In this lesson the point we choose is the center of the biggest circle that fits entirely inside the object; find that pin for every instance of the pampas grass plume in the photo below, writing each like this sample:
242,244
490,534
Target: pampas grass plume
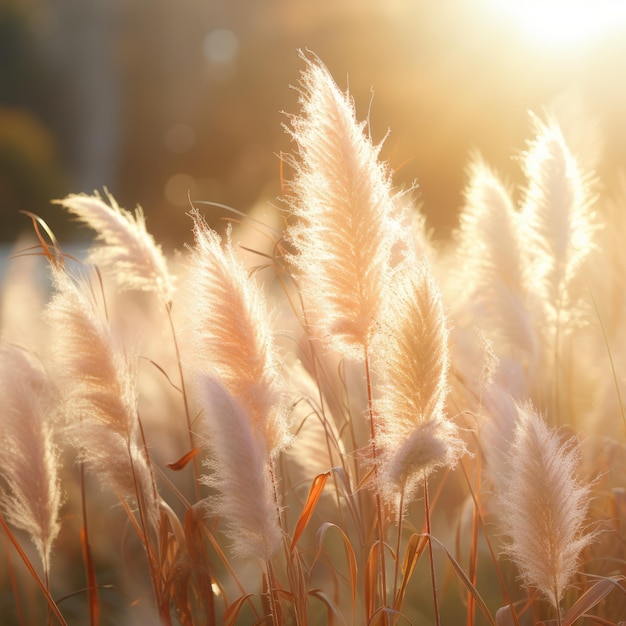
489,253
98,381
557,221
233,335
412,363
543,506
29,458
346,217
126,248
241,473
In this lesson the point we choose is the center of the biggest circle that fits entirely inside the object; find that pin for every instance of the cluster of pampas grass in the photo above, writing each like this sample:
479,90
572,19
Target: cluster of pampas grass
365,427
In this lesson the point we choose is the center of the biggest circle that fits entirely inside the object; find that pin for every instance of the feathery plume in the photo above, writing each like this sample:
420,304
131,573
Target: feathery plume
490,258
29,459
543,506
557,223
126,248
234,340
412,433
98,383
347,219
241,473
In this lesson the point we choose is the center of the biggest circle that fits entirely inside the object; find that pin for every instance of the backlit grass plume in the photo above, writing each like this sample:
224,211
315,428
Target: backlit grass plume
241,472
98,383
345,215
30,495
543,506
233,334
412,432
126,250
557,225
489,251
240,389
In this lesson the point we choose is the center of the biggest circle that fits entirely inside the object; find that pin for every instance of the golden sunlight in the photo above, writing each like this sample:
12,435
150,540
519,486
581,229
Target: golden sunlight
566,22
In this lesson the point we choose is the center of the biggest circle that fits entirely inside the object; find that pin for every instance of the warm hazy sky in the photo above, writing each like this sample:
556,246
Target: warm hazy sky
156,99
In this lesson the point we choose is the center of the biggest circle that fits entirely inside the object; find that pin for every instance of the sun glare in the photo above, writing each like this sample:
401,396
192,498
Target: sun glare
566,22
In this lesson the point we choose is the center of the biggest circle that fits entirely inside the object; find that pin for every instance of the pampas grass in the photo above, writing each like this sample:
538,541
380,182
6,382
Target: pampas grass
233,335
347,216
125,248
97,380
363,398
544,506
412,431
29,456
557,223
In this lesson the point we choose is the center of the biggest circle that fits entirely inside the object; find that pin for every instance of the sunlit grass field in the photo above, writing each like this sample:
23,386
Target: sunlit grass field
320,414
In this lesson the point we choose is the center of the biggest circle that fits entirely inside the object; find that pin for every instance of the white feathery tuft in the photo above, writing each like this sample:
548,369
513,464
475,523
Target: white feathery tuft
347,220
126,250
97,380
412,433
233,335
557,224
29,458
490,257
241,473
543,506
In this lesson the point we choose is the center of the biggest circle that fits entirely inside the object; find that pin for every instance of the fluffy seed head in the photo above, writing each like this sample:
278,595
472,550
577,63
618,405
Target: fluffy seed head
29,458
543,506
412,364
126,250
233,335
346,216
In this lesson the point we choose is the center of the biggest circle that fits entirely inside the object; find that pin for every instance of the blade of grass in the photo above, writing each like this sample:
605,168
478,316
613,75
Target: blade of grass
466,581
183,461
315,492
610,355
232,612
595,594
51,603
370,580
53,257
414,549
16,595
321,533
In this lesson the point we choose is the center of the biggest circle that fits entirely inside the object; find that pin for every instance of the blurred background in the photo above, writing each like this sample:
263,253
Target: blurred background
159,101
